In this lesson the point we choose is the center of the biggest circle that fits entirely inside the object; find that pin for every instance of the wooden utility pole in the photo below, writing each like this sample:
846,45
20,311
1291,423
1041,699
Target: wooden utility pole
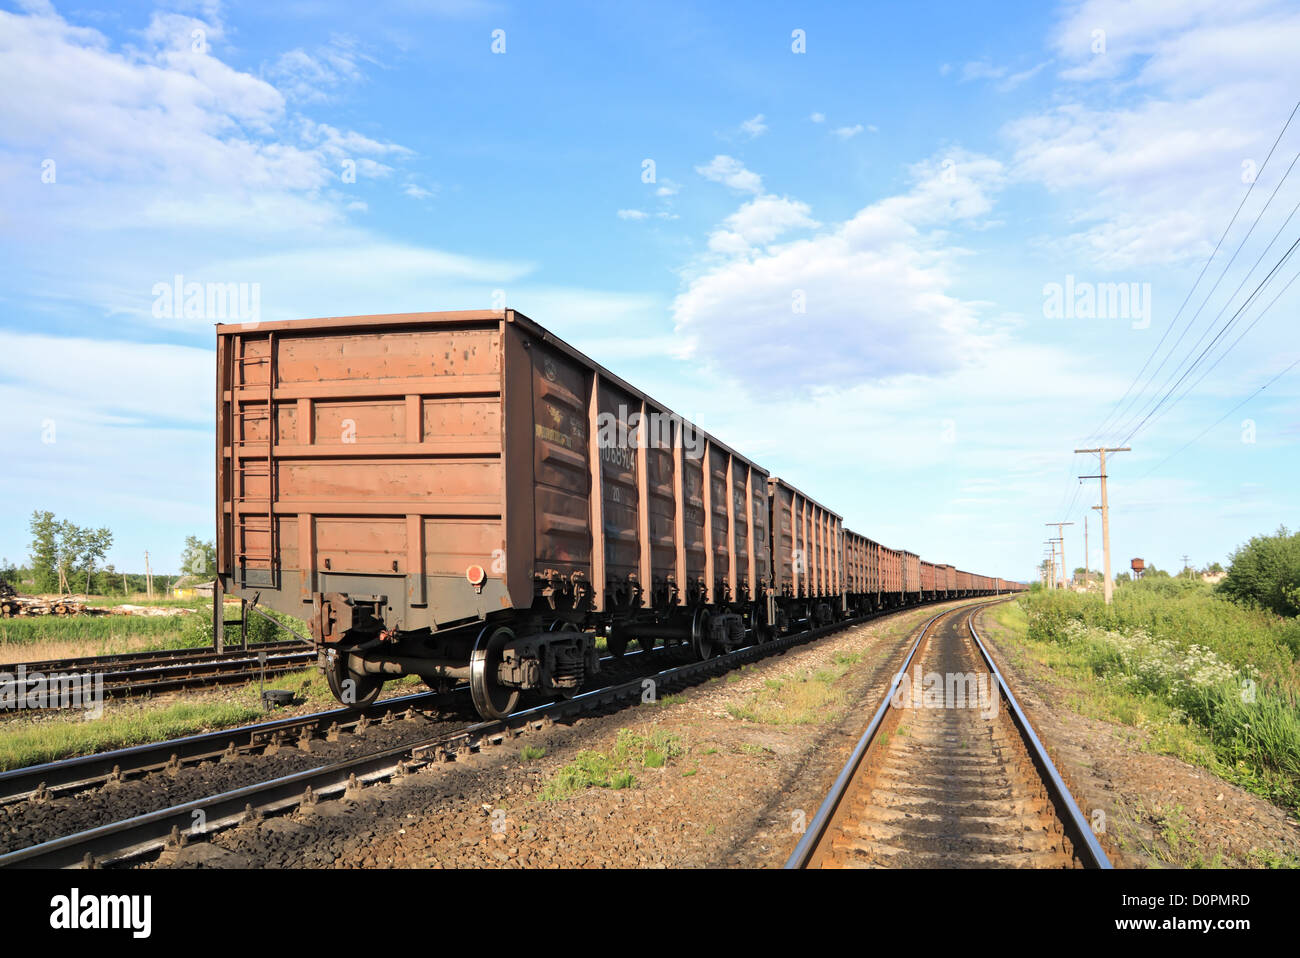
1051,559
1060,532
148,576
1086,571
1105,515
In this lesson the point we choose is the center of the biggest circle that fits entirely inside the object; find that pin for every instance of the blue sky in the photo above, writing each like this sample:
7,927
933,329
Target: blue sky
917,178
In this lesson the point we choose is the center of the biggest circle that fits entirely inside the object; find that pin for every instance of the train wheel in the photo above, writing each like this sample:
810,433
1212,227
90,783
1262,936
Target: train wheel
491,698
701,638
351,688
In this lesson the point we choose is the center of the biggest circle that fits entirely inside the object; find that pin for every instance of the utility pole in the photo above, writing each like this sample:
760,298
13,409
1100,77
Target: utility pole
1060,532
1051,567
1105,515
148,576
1185,572
1087,573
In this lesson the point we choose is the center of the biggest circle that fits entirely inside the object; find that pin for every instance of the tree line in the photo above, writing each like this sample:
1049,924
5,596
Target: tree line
68,558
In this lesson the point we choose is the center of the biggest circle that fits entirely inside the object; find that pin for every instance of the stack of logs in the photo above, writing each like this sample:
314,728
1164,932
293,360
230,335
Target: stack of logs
13,605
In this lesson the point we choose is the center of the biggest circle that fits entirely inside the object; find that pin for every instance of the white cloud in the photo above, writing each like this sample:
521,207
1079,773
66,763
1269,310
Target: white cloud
319,76
759,222
818,117
668,187
876,287
847,132
632,214
984,70
754,127
418,192
731,172
1152,178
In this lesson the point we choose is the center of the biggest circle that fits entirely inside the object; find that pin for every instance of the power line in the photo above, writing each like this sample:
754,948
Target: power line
1218,315
1253,294
1240,336
1223,417
1200,276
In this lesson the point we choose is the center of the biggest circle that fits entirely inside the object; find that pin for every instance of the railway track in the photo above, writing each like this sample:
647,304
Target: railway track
150,673
140,835
949,773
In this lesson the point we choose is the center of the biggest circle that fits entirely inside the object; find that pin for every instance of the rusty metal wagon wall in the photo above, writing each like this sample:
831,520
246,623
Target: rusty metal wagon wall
807,545
457,464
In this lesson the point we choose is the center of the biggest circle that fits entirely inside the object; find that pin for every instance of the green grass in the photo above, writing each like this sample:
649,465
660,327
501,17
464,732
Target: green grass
81,635
531,753
52,737
615,769
1210,682
90,628
809,699
47,741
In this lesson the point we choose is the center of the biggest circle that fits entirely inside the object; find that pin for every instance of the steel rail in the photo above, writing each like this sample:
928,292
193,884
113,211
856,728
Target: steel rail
149,657
85,771
150,832
812,836
1085,842
179,677
1082,836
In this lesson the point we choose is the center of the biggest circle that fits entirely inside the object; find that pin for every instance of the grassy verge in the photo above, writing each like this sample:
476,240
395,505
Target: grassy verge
60,637
1207,681
49,737
46,741
617,768
808,699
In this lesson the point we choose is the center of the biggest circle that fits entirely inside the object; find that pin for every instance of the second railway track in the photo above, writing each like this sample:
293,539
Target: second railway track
173,670
949,774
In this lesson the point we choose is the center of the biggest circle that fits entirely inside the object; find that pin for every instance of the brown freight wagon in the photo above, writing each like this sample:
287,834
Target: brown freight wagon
945,580
928,579
462,495
862,560
911,576
964,584
807,558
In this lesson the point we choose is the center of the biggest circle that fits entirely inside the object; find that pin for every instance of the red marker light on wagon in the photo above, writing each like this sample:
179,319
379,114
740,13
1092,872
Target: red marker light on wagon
476,575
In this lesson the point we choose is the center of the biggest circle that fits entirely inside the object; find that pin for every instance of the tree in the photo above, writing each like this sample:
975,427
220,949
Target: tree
63,553
45,551
199,559
1266,572
8,575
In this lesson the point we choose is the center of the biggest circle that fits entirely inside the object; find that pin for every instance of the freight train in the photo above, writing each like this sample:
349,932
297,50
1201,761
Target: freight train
465,497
